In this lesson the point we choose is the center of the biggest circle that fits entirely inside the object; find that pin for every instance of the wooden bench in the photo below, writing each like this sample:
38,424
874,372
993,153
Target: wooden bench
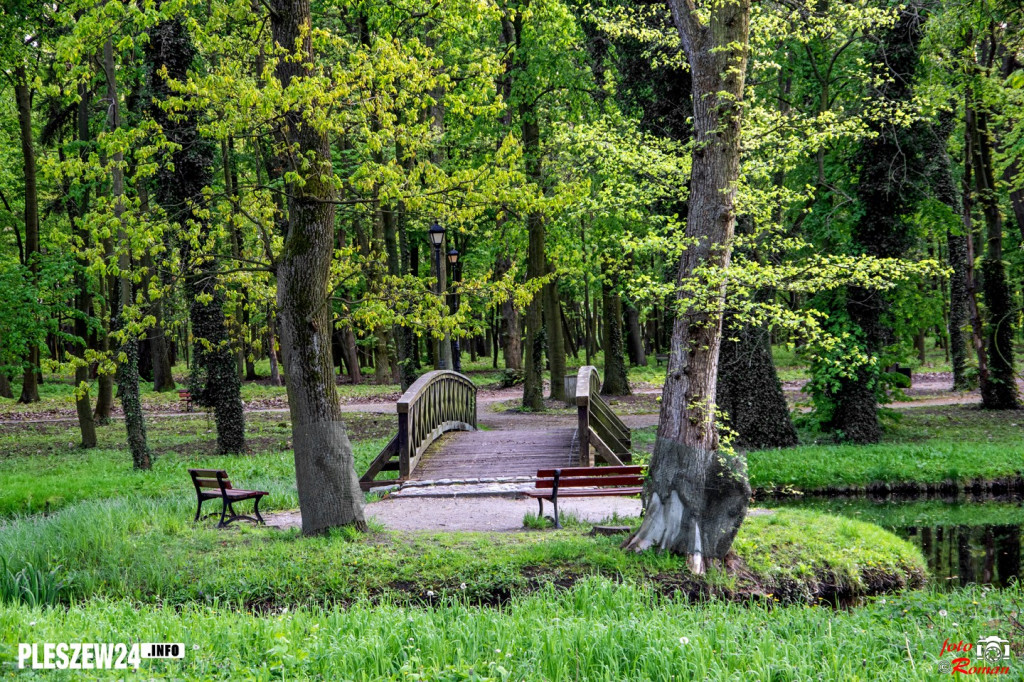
186,397
661,358
213,483
585,482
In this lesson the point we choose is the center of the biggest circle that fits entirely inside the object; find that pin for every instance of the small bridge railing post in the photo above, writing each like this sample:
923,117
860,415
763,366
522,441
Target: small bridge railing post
599,427
437,402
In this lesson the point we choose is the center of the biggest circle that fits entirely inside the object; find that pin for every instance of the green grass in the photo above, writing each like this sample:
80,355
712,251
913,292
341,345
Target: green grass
42,468
924,445
903,514
150,550
596,631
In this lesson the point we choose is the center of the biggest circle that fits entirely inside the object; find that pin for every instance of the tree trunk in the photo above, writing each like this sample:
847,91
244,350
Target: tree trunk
634,337
556,339
5,385
749,391
616,381
275,372
128,368
512,332
23,96
695,497
328,487
940,176
1000,391
216,375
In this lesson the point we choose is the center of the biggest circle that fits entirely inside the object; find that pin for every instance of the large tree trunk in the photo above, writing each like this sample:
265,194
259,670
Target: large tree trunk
749,390
890,165
696,497
23,96
215,379
328,487
536,263
128,368
1000,391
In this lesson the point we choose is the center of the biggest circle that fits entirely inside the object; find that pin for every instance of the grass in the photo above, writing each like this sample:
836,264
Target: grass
42,469
923,445
150,550
596,631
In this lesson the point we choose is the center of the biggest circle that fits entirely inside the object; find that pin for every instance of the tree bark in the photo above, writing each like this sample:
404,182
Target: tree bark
695,497
328,487
512,333
215,378
616,381
1000,391
23,97
5,385
634,337
128,368
556,338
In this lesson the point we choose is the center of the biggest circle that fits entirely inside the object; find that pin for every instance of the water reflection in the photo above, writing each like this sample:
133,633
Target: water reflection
958,555
965,538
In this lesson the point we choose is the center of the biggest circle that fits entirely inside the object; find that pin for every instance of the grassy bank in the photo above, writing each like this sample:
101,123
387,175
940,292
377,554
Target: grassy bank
596,631
923,445
151,551
42,468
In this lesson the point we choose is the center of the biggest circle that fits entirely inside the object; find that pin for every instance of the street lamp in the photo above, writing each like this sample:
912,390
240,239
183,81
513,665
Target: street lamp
453,257
436,234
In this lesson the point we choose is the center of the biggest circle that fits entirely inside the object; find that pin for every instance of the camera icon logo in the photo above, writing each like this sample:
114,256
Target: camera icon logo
993,649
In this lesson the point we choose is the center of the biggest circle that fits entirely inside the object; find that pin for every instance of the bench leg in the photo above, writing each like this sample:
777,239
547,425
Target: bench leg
554,501
223,513
540,507
256,509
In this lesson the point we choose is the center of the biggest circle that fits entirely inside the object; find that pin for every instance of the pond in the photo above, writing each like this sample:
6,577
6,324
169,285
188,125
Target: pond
966,539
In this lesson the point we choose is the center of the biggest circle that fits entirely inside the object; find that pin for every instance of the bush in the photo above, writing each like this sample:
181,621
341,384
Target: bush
31,586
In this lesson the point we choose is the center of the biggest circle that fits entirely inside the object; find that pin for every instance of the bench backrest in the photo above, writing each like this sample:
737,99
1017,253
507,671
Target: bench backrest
591,477
210,478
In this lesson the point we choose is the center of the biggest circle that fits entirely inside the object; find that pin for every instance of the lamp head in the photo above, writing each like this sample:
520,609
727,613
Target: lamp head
436,234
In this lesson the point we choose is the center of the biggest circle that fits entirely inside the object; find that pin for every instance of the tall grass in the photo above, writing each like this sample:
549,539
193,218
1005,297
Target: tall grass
596,631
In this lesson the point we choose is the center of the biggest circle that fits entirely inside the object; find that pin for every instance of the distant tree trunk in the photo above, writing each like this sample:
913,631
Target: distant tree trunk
83,295
1000,391
616,382
556,338
23,96
512,333
940,177
275,372
128,368
328,487
695,498
5,386
215,377
635,337
104,381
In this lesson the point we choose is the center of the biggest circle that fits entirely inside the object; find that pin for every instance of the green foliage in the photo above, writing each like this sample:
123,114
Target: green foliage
31,586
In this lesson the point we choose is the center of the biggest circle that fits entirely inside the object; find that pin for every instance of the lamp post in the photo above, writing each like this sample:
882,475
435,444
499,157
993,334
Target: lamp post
453,303
436,234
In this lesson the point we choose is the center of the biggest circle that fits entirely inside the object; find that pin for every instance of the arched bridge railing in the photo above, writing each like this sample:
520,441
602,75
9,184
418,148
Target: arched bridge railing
599,427
437,402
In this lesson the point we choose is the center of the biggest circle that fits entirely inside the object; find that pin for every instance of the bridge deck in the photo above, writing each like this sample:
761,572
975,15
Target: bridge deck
461,455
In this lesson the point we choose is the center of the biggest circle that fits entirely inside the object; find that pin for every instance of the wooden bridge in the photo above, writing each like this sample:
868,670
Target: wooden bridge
445,402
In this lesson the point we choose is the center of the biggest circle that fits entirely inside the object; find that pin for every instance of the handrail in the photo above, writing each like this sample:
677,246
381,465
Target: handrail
439,401
599,426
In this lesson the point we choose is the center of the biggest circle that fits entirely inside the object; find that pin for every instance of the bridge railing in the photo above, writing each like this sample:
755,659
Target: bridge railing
437,402
599,427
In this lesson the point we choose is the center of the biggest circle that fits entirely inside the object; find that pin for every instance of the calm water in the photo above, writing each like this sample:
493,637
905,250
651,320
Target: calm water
965,540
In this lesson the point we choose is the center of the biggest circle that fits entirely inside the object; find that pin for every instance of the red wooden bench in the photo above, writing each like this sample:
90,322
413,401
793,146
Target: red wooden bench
185,397
213,483
585,482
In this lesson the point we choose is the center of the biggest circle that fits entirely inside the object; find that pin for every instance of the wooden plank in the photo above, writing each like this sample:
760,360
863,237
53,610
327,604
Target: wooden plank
602,449
592,471
591,482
